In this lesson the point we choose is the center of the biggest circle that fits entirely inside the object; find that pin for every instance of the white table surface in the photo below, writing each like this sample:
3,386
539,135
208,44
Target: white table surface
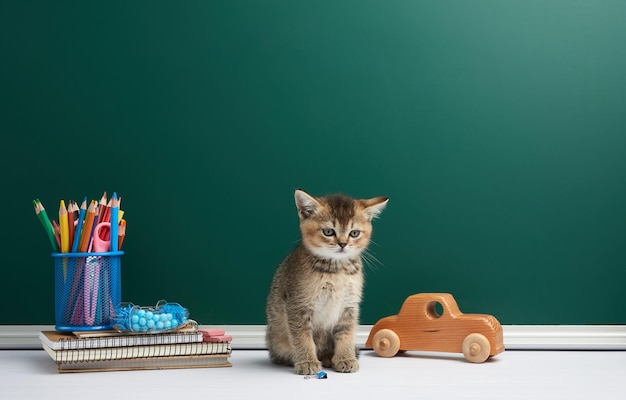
511,375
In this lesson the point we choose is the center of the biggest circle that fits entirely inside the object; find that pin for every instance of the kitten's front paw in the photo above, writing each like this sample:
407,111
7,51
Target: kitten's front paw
347,365
308,367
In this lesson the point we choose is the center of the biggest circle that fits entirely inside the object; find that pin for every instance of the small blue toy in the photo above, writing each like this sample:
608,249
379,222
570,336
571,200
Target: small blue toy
164,317
319,375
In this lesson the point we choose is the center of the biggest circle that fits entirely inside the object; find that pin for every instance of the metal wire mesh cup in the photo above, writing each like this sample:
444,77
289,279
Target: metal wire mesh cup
87,289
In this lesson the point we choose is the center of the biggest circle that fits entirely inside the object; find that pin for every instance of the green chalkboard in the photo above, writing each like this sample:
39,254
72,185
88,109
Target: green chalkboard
497,129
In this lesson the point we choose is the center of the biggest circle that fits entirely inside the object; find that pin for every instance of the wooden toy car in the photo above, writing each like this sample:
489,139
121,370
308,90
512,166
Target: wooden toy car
419,326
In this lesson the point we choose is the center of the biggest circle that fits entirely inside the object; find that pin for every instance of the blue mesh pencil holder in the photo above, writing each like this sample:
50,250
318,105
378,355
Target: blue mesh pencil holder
88,287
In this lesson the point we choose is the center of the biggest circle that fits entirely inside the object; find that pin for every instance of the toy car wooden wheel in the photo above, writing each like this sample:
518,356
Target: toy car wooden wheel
476,348
386,343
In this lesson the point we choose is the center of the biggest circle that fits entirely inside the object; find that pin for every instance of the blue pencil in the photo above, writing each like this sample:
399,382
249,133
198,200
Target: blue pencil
79,227
114,223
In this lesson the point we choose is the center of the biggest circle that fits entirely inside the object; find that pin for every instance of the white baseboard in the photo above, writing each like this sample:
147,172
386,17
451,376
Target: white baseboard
516,337
565,337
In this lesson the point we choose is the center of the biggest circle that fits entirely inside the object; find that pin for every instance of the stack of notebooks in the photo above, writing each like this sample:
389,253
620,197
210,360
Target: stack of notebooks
114,351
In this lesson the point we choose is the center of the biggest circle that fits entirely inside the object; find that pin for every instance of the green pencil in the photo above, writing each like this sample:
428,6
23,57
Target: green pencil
45,221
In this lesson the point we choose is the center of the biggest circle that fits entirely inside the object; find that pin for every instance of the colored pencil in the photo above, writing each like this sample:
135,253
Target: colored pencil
114,222
45,216
75,229
105,213
45,222
79,225
71,217
49,226
64,228
120,212
121,234
96,221
57,233
86,234
88,227
102,205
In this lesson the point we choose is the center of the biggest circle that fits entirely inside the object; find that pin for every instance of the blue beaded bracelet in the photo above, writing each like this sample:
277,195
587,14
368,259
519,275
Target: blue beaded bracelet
164,317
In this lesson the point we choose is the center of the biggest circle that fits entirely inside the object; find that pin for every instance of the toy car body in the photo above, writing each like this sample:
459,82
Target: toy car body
419,326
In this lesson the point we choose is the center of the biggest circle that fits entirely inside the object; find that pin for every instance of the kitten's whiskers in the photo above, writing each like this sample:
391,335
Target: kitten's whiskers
370,260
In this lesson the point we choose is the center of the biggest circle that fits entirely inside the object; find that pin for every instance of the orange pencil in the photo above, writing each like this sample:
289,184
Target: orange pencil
121,234
96,221
71,216
85,237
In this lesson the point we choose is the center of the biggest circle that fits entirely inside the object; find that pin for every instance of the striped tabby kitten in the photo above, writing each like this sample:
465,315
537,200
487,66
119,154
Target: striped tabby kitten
313,305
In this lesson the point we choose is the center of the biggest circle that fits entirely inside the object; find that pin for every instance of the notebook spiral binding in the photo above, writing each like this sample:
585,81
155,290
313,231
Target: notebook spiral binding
126,340
148,351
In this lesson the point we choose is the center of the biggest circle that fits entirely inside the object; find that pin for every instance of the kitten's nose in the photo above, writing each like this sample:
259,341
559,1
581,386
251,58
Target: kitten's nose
342,244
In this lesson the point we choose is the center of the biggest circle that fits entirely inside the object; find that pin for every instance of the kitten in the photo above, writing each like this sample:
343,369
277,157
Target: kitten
312,308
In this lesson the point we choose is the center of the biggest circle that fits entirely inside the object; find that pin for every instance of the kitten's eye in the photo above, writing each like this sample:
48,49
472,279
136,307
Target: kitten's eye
355,233
328,232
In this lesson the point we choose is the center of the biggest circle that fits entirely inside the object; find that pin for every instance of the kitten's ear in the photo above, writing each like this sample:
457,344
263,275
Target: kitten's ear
373,207
307,205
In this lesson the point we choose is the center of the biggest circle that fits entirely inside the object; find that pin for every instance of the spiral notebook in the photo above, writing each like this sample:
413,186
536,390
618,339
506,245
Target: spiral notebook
133,364
110,351
126,352
67,340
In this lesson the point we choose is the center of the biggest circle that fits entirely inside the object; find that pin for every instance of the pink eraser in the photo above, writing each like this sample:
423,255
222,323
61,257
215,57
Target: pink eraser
207,332
223,338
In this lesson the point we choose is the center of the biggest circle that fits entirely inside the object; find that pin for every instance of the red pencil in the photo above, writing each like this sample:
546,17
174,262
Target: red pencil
121,234
57,233
71,214
105,214
102,206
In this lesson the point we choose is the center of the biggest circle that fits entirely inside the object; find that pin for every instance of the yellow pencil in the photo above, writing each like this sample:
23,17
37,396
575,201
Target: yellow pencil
64,228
